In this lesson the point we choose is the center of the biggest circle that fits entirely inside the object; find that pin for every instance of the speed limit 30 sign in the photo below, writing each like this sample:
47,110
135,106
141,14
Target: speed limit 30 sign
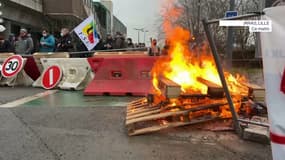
12,66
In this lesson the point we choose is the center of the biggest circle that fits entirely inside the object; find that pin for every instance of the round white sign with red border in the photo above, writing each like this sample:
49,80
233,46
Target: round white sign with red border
51,77
12,66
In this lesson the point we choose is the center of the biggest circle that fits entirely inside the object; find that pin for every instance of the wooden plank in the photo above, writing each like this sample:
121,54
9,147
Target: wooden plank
165,108
143,114
259,95
130,107
208,83
138,111
168,114
169,125
253,86
137,105
214,90
139,101
169,88
256,92
193,96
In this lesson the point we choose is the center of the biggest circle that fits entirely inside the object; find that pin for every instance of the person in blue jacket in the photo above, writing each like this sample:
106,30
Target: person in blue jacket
47,42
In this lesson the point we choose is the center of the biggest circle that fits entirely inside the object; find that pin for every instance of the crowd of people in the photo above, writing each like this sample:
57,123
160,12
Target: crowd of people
119,41
25,45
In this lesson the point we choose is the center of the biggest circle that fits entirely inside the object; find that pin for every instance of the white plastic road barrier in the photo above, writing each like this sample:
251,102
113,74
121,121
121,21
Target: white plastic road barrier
273,53
37,56
77,72
6,55
12,72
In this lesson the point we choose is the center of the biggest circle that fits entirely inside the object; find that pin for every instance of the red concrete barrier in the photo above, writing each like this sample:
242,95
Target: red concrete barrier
31,68
120,75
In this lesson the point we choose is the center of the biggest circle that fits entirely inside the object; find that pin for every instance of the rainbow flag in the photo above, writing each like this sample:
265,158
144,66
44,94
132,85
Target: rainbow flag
87,33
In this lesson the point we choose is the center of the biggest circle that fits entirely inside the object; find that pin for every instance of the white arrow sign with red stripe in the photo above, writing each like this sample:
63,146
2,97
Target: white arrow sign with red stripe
51,77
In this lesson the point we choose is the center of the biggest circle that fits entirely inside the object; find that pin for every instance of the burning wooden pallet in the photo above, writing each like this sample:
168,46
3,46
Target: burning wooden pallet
146,115
256,92
145,118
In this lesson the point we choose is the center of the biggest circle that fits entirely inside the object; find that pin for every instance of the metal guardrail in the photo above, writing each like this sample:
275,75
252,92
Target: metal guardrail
110,50
249,15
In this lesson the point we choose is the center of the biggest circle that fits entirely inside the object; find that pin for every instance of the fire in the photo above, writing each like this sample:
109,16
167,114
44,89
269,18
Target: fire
184,66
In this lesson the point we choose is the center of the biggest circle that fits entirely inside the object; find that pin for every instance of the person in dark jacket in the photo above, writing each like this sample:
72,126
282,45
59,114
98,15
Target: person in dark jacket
130,43
108,43
47,42
5,45
119,42
12,41
65,41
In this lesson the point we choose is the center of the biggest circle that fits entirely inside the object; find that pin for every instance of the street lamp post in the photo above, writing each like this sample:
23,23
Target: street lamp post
139,30
145,31
230,40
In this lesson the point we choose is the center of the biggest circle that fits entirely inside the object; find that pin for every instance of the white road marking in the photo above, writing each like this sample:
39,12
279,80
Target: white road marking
27,99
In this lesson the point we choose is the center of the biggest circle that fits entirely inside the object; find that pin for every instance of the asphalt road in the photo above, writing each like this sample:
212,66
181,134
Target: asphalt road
45,132
8,94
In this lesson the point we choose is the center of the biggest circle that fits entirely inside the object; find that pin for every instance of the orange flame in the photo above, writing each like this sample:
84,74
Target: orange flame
183,65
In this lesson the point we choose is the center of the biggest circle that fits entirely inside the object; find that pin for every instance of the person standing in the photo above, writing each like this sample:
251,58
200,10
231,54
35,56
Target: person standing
47,42
154,49
108,43
119,42
25,44
5,45
12,41
130,43
166,48
65,41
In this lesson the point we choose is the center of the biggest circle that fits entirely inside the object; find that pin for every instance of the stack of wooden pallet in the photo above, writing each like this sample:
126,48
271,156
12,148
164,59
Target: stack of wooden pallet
148,115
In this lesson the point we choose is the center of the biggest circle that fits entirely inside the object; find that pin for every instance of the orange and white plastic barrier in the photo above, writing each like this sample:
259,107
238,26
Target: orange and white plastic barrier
273,53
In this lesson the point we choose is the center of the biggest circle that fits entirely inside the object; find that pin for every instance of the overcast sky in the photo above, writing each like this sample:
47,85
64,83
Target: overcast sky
138,14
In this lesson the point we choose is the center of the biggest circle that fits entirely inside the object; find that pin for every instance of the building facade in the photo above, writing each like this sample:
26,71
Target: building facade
107,22
18,13
55,14
119,26
32,4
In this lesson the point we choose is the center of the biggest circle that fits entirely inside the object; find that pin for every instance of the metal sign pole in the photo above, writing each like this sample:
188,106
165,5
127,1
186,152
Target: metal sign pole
219,65
230,40
222,76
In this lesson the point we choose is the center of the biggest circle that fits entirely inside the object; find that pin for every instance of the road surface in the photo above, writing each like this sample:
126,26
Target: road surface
69,126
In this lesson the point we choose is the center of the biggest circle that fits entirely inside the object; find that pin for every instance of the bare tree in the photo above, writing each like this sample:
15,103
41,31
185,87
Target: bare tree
196,10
